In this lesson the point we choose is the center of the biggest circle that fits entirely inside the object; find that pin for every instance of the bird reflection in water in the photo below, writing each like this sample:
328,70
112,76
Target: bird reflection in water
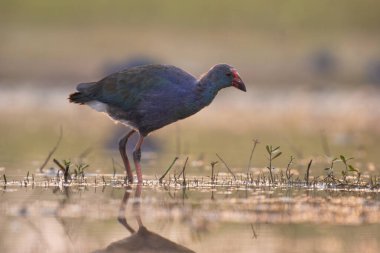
142,240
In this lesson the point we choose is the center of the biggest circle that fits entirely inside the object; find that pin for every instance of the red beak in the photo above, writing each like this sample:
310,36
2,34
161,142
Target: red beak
237,82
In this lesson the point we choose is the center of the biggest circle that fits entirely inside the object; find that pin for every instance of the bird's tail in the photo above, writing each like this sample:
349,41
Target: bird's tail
79,98
84,93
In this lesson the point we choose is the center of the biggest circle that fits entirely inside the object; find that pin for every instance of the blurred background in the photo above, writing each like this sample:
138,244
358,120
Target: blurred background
312,70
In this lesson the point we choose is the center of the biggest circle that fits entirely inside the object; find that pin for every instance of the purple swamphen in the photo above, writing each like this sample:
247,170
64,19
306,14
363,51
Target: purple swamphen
148,97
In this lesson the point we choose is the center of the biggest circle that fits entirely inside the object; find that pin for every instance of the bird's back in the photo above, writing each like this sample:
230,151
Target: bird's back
125,88
148,97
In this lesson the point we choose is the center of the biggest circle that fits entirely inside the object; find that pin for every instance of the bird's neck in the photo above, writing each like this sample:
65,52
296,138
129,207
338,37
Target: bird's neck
205,92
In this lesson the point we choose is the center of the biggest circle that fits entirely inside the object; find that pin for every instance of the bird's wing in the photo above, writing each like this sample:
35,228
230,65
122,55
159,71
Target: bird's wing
126,89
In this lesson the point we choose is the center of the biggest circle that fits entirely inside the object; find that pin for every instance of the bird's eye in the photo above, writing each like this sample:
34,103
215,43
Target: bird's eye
228,74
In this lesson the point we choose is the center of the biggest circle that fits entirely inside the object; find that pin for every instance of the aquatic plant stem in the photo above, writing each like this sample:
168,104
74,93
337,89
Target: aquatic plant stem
52,151
308,172
255,142
166,172
225,164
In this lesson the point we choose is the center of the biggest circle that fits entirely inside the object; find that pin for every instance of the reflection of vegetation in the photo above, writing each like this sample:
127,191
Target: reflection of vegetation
279,215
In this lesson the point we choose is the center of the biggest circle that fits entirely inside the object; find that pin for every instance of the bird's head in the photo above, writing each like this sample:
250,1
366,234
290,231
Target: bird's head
223,75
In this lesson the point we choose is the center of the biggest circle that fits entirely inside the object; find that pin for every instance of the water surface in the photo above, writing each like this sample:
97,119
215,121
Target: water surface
51,217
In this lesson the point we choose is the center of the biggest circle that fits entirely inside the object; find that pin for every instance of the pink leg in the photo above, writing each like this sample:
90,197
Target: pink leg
123,153
137,158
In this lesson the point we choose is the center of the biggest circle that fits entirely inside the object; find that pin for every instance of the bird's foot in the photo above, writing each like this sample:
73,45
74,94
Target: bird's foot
128,179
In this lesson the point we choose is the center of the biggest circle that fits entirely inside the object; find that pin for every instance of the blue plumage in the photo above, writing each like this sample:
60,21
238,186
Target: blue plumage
149,97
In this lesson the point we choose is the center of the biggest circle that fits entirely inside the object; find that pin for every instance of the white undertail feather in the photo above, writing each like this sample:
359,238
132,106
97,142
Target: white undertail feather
98,106
102,107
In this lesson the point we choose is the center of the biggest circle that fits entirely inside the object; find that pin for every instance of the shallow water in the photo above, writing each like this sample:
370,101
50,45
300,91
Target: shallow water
228,217
48,216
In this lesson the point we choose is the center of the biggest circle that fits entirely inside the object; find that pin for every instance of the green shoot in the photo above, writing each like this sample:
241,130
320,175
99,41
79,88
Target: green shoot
273,154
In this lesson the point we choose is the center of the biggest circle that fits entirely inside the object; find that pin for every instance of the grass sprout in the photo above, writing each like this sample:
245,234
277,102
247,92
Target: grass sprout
273,154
